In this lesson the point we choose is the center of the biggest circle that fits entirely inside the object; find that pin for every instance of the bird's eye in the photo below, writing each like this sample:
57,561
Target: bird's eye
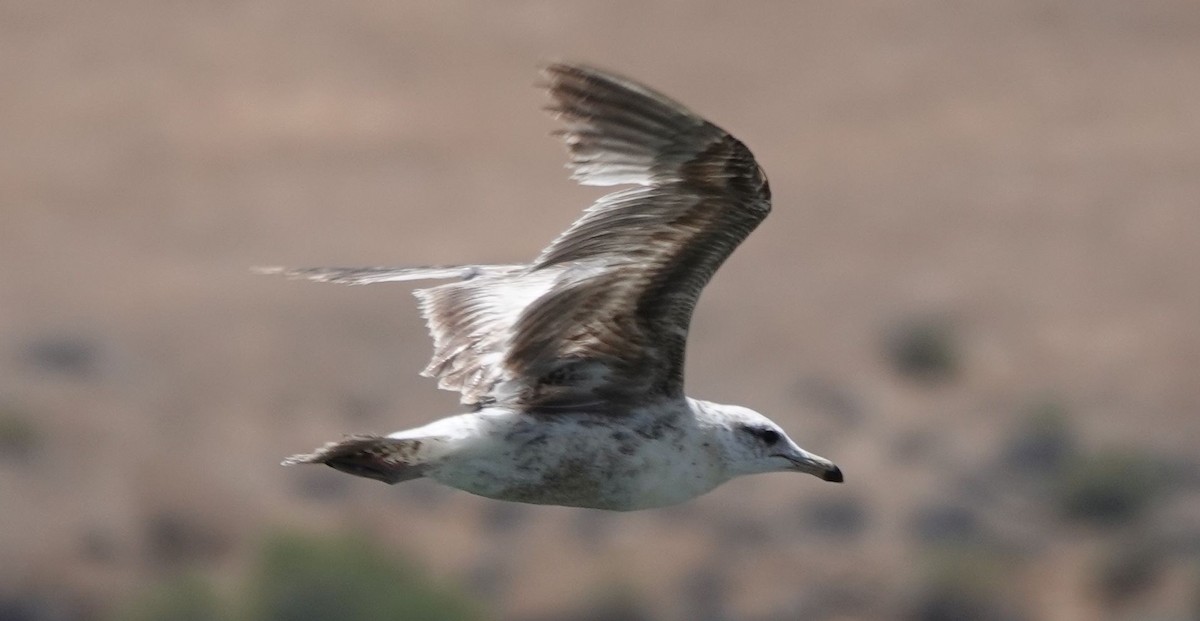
768,436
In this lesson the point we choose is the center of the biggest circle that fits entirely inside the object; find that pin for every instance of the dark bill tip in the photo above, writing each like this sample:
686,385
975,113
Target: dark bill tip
833,475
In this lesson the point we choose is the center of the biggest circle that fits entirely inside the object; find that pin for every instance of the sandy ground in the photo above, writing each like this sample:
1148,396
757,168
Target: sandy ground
1025,171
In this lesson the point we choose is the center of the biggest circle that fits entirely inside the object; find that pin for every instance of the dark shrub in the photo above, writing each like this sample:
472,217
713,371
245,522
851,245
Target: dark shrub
183,599
842,517
1109,488
20,438
1043,443
923,348
965,583
1128,570
68,355
946,524
348,579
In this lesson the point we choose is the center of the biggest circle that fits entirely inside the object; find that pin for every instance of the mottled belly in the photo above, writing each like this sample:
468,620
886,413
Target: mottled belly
580,462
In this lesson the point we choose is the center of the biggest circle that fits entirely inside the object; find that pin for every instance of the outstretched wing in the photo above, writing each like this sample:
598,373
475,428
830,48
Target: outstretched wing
602,315
630,270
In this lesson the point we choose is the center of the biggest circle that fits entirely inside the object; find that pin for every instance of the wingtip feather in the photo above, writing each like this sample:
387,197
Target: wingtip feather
267,270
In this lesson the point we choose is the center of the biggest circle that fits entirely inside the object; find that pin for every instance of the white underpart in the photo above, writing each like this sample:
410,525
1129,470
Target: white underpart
579,460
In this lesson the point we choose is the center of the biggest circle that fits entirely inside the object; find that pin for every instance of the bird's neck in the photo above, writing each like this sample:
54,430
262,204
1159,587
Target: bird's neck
719,441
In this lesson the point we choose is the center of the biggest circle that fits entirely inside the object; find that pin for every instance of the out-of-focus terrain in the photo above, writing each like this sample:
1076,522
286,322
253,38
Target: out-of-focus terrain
979,293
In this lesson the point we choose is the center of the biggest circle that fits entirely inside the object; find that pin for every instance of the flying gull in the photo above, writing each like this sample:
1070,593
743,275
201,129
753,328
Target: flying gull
572,366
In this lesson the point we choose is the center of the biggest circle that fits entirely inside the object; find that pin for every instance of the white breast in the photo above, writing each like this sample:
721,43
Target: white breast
628,462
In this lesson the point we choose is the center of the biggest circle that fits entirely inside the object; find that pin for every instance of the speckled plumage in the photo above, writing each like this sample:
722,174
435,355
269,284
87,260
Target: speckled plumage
573,363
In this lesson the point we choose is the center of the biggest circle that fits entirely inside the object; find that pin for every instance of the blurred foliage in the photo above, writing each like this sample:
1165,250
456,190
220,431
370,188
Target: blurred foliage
74,356
924,348
308,578
946,524
965,583
177,538
1043,443
311,579
20,438
842,517
188,598
1128,569
617,602
1196,601
705,592
1109,488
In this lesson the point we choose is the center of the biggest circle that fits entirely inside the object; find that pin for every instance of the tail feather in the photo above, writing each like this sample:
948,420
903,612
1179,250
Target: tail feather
371,275
375,457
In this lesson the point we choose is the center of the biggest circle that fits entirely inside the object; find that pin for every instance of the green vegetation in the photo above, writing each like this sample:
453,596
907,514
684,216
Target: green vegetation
1128,569
189,598
614,602
1196,601
1109,488
924,348
306,578
19,437
1043,443
844,517
177,539
964,583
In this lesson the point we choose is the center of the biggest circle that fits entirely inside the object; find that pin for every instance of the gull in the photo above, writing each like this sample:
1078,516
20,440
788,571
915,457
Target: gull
571,366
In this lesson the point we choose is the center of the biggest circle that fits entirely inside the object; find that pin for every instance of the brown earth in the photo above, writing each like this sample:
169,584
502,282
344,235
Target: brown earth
1026,172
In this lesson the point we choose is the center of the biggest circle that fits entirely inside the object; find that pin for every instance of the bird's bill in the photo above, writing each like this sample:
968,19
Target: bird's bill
815,465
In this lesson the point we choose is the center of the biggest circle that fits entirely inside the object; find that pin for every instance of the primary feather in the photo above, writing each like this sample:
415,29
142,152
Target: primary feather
602,314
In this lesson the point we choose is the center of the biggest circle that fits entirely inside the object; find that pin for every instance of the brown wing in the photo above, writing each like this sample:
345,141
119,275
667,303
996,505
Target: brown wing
631,269
602,314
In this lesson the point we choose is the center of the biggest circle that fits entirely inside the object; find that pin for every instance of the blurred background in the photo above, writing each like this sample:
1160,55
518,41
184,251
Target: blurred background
978,293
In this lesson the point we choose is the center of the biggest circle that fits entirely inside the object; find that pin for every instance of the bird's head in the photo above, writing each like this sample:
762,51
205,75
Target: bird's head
754,444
